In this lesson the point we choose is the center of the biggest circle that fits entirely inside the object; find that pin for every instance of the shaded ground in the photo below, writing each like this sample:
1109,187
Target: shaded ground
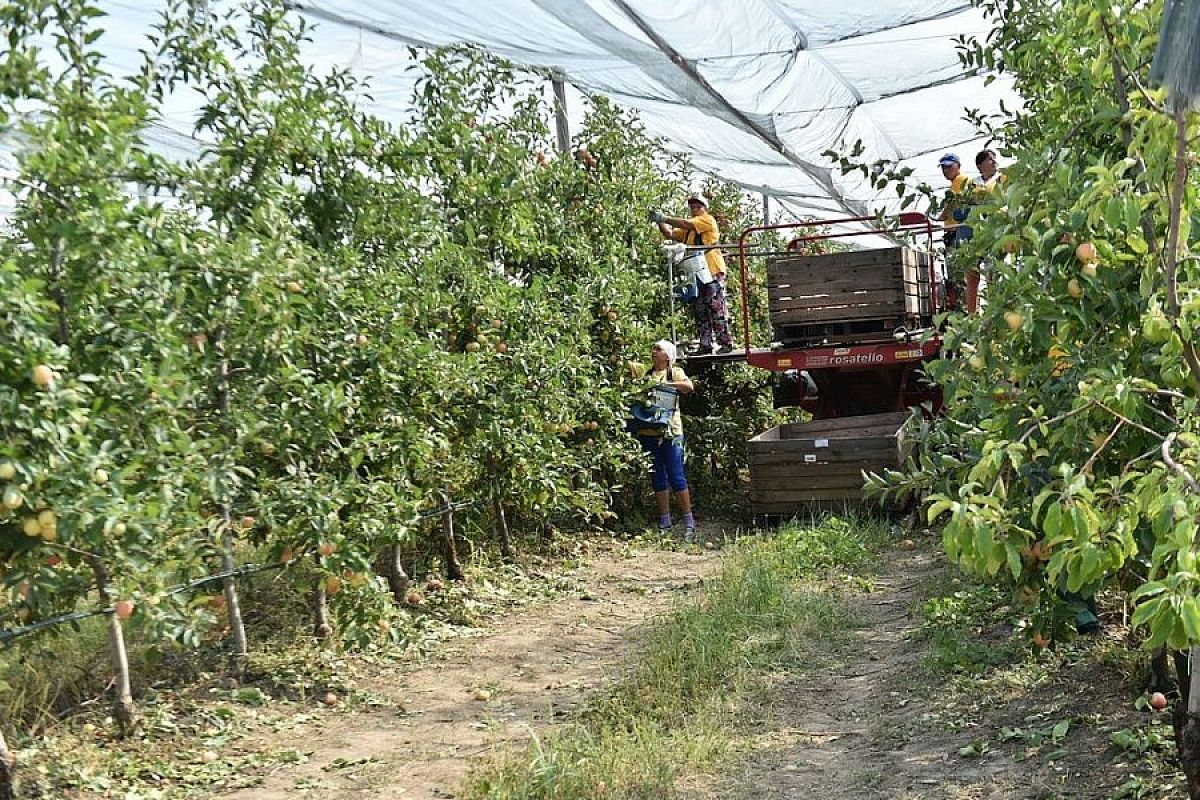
523,673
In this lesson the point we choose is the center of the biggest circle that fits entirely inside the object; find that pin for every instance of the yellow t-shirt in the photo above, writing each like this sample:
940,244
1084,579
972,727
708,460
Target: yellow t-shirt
958,188
706,232
677,374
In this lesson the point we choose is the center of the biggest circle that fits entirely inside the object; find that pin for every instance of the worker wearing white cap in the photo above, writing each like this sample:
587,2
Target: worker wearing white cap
666,447
700,229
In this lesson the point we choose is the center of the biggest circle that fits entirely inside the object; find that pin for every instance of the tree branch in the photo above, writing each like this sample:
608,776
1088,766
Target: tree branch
1171,268
1087,465
1128,421
1066,415
1175,465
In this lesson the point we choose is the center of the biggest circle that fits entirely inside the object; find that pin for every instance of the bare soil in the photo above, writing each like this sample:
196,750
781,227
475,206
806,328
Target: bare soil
869,723
526,671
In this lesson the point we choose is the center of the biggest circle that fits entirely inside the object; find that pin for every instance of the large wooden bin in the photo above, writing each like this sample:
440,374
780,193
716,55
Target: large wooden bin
841,297
808,466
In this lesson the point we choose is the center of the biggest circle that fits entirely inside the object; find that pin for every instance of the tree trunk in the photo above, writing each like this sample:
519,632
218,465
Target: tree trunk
321,627
233,606
124,710
1186,721
506,548
59,292
8,767
390,566
1160,671
454,570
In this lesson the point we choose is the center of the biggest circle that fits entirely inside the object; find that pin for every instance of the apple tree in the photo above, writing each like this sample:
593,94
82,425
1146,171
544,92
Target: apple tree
1066,459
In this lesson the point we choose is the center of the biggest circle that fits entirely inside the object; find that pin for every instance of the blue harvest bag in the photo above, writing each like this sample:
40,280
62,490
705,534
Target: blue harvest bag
653,418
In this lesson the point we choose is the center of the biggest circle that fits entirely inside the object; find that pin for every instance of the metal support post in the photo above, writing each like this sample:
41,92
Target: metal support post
560,114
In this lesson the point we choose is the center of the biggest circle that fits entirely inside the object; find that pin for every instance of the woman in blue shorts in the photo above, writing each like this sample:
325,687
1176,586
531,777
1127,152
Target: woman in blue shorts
667,450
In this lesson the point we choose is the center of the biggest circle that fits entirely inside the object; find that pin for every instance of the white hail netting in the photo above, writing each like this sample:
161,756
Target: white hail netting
755,90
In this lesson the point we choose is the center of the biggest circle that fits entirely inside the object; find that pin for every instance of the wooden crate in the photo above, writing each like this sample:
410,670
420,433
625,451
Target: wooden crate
807,466
848,296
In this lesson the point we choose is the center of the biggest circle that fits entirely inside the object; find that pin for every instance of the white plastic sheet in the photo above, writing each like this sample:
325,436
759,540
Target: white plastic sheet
755,90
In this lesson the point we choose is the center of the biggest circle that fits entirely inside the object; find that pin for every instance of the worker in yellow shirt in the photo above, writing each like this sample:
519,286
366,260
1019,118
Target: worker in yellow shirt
700,229
954,213
990,176
990,179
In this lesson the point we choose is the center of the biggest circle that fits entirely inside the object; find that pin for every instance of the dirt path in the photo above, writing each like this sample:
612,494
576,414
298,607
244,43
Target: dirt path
867,722
527,670
874,723
840,732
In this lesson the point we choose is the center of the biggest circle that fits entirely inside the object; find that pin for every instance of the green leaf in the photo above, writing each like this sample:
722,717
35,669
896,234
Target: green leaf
1189,613
937,508
1013,556
1052,522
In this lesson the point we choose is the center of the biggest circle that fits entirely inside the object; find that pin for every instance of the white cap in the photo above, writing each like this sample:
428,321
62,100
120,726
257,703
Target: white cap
698,198
668,348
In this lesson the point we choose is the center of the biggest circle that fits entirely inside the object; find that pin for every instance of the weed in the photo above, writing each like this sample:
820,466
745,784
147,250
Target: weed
679,708
968,626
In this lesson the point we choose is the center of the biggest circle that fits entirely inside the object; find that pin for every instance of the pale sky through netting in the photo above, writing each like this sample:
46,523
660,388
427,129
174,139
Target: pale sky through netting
755,90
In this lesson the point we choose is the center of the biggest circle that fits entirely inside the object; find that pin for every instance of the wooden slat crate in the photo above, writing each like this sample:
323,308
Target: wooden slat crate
841,296
808,466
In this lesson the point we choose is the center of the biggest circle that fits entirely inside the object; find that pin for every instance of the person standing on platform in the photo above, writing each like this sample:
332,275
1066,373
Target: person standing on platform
954,214
699,229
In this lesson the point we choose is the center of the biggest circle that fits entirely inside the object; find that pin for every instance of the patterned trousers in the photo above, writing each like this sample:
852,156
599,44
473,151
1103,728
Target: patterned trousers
712,315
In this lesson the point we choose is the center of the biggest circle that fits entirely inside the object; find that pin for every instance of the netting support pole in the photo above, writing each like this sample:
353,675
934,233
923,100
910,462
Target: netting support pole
560,114
766,208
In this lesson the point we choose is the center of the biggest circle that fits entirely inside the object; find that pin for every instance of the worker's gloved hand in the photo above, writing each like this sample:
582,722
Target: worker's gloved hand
656,216
960,213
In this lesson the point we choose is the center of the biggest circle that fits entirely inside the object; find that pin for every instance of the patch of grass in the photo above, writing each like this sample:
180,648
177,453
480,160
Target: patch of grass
968,626
831,546
679,708
54,674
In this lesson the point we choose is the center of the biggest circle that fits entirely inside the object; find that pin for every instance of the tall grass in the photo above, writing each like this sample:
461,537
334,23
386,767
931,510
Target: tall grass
678,708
